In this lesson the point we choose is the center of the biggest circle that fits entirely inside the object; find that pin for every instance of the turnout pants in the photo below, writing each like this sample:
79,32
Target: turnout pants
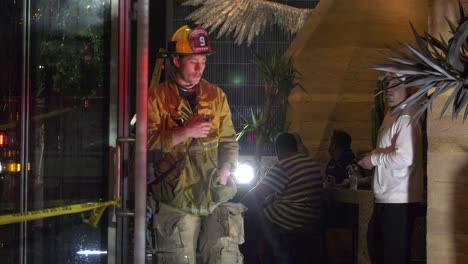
216,237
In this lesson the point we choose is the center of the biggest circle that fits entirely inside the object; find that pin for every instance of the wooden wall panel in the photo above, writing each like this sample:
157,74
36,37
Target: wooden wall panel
334,52
447,217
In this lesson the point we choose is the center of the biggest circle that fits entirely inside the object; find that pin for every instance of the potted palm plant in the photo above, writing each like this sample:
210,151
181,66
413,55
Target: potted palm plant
280,78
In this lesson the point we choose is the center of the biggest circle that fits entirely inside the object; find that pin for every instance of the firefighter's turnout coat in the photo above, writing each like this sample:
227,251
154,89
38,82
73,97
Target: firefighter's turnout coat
193,186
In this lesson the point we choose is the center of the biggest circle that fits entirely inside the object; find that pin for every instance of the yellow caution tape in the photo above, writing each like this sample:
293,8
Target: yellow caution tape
96,208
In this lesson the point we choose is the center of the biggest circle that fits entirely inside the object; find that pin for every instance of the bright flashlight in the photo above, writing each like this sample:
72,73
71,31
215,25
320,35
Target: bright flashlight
244,173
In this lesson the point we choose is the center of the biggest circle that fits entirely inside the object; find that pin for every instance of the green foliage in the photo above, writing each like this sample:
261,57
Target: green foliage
71,50
280,78
434,66
255,124
252,125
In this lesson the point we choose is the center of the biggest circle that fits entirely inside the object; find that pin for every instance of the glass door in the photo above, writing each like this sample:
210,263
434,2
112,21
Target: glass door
10,108
54,127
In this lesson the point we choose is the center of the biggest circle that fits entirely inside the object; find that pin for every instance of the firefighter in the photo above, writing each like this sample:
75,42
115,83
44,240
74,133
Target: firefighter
190,126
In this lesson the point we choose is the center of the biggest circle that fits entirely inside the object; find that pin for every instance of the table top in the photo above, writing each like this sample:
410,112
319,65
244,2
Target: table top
350,195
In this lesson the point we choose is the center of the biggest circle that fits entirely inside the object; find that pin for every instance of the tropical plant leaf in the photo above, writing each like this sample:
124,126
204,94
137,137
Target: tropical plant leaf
418,81
403,61
431,40
421,43
429,62
437,53
403,54
253,125
457,41
422,92
400,69
460,101
435,73
433,63
466,112
452,26
442,88
449,101
461,11
241,133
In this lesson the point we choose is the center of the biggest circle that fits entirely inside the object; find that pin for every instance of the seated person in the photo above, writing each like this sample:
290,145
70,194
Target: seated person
343,162
286,201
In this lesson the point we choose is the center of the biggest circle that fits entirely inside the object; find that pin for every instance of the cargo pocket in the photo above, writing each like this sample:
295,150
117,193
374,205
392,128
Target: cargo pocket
168,240
169,247
222,233
227,257
165,224
231,219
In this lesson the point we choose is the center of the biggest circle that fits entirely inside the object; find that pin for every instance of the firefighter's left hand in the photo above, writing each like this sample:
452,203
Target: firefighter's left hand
224,173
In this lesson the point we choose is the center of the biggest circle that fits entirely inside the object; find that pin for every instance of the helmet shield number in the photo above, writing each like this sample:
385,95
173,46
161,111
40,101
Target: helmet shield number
199,41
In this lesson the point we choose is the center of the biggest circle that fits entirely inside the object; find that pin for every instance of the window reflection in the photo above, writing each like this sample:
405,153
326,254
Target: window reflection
67,130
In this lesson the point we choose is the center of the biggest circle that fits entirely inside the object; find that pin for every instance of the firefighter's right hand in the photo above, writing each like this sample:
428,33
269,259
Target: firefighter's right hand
198,129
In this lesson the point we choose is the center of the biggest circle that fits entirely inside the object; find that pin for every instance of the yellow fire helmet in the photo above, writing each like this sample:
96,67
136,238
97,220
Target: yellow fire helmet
188,41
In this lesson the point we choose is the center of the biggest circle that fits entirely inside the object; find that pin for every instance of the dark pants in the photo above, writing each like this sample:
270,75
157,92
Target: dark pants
389,233
302,246
265,242
261,239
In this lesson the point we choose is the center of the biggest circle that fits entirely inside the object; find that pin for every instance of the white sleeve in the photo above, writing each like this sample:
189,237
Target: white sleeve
400,154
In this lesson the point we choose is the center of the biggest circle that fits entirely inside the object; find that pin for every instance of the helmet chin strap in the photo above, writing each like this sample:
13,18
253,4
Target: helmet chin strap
185,87
190,86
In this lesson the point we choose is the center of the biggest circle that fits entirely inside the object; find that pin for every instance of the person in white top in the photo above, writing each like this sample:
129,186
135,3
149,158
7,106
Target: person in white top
398,178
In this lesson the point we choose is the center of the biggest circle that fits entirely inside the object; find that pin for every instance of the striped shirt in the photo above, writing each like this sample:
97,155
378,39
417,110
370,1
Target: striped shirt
296,183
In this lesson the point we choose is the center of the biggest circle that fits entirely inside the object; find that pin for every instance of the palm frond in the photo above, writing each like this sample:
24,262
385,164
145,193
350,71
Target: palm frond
454,56
452,25
434,63
461,100
420,41
252,125
402,53
428,61
466,111
461,13
401,69
402,61
448,102
246,19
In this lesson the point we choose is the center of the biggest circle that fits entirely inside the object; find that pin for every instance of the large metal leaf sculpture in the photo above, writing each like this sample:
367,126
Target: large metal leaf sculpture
434,63
246,19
